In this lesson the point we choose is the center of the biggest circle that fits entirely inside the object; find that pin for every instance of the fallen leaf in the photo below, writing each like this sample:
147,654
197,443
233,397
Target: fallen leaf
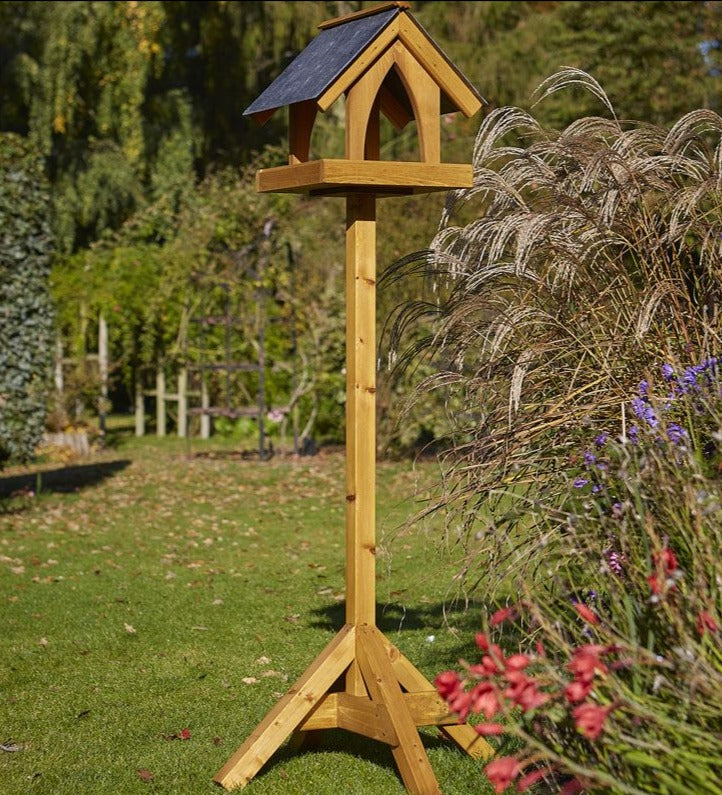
130,629
201,629
217,741
249,680
43,642
145,775
263,660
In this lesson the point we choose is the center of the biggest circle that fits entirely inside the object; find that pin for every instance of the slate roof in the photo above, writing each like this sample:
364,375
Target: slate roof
325,58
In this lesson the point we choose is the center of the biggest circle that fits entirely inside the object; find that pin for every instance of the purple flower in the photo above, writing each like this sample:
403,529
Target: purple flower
676,433
589,459
596,488
643,388
634,434
667,372
601,440
615,562
645,412
580,482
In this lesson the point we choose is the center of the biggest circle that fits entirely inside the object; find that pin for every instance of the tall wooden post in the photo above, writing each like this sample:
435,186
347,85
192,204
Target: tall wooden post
360,418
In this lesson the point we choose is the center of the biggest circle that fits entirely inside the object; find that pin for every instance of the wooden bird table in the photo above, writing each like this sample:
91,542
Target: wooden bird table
384,63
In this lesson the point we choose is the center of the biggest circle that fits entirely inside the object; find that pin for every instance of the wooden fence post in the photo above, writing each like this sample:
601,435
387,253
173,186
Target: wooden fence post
160,416
183,402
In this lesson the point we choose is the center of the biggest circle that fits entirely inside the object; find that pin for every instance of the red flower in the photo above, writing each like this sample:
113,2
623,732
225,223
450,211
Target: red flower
460,703
447,683
572,787
577,691
502,615
589,719
517,662
667,558
501,772
482,641
654,585
585,662
586,613
530,778
706,622
485,699
489,729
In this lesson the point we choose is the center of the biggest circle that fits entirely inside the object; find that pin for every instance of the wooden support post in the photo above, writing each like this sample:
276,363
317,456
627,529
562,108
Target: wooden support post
360,418
139,405
160,417
183,403
103,371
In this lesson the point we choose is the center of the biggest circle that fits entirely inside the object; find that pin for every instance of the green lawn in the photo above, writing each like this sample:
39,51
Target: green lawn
145,592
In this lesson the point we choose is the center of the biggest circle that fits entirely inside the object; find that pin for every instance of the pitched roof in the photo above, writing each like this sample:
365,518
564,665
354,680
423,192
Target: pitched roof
340,42
317,66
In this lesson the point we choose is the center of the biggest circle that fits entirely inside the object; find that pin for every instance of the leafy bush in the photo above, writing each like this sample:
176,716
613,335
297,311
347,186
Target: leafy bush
26,317
616,684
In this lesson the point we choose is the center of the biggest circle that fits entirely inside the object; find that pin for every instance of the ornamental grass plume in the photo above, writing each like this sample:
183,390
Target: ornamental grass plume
580,260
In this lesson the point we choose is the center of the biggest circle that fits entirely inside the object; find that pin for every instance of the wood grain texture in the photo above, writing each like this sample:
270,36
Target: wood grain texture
289,711
409,754
301,116
412,680
357,68
333,176
360,410
444,73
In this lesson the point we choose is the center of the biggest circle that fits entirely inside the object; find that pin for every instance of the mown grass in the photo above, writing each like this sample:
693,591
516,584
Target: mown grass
150,593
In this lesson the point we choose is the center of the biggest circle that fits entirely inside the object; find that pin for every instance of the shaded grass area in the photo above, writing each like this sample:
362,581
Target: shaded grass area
174,593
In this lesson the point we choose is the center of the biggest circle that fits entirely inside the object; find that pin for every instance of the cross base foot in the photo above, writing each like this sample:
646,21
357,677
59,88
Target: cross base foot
395,698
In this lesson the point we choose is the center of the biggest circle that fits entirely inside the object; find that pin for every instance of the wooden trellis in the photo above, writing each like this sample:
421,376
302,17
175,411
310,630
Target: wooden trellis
384,62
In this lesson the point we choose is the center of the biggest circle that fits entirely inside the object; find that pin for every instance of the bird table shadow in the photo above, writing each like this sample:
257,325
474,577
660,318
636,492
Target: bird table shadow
393,618
62,480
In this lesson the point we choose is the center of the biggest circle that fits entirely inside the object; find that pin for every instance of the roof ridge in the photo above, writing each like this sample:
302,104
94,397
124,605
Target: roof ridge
364,12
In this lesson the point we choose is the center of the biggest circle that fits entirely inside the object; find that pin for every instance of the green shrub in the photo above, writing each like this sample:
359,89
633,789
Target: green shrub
26,317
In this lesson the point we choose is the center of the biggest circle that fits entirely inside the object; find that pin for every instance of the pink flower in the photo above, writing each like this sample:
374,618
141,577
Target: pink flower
517,662
489,729
504,614
485,699
530,778
572,787
705,622
460,703
482,641
577,691
501,772
447,683
586,613
668,560
589,719
585,663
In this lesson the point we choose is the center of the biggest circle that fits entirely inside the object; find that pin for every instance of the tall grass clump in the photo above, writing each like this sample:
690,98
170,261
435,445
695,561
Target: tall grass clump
592,255
576,320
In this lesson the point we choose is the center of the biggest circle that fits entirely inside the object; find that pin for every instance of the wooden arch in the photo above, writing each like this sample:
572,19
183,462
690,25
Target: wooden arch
364,100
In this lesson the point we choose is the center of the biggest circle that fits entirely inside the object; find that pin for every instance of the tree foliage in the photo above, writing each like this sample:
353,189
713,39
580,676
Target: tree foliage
26,317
